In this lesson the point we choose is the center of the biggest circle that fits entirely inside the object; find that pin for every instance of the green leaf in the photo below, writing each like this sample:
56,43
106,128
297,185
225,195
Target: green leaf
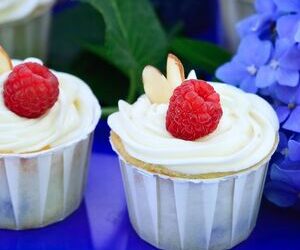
67,54
67,34
108,83
134,37
204,55
97,50
106,111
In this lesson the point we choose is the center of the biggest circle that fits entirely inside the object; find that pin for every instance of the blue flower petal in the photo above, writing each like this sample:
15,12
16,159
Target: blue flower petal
297,96
294,150
292,123
277,157
288,5
282,113
253,51
248,25
282,45
248,84
283,141
231,72
284,94
276,174
297,33
296,137
280,194
287,173
254,24
265,77
289,166
290,59
265,91
261,53
265,6
287,77
286,26
243,50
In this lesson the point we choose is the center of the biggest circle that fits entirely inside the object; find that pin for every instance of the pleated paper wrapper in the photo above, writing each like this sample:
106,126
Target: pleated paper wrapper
27,37
43,188
172,213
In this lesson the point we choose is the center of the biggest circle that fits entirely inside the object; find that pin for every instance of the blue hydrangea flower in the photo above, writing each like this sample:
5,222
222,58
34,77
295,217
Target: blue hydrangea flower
288,108
261,22
242,69
288,6
283,66
268,62
288,27
283,186
294,148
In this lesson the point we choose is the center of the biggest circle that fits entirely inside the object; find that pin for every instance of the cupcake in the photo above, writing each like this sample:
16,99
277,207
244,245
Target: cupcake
24,27
47,120
193,157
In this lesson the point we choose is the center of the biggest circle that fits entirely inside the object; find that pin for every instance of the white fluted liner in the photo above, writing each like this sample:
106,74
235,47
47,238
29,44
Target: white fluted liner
172,213
28,37
45,188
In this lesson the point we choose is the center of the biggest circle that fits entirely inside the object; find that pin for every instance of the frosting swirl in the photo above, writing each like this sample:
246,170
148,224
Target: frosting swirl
245,135
73,116
12,10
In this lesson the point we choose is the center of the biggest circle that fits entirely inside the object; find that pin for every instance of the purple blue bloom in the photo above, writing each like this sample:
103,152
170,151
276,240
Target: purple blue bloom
288,107
283,186
261,22
283,67
268,63
294,148
289,27
288,6
242,69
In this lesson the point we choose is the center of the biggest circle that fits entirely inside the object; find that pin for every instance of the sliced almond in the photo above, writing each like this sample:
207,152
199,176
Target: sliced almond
192,75
175,71
156,86
5,62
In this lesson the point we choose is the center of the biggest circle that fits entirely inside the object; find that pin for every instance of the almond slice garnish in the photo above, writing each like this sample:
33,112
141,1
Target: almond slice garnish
156,86
175,71
5,62
192,75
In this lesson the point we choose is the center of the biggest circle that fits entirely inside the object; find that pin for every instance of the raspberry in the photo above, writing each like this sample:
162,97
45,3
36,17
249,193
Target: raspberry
30,90
194,110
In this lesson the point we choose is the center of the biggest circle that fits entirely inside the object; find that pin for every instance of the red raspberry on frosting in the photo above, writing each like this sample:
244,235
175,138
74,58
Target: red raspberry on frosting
30,90
194,110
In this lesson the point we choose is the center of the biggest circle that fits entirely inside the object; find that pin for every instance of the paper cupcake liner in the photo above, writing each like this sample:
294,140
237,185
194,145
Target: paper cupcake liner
28,37
173,213
43,188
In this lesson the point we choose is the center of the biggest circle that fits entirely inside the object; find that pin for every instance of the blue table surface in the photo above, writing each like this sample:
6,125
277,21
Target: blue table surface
102,221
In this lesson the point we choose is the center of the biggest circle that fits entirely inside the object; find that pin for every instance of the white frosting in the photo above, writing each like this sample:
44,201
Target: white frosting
245,135
12,10
73,116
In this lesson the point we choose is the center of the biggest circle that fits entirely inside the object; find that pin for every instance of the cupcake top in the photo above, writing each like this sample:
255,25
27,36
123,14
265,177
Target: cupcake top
13,10
203,128
41,109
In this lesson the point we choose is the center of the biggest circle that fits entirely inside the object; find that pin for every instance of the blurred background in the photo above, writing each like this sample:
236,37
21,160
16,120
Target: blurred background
76,42
110,60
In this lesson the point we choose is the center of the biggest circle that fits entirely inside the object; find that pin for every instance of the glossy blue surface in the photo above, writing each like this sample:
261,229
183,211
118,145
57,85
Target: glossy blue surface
102,221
